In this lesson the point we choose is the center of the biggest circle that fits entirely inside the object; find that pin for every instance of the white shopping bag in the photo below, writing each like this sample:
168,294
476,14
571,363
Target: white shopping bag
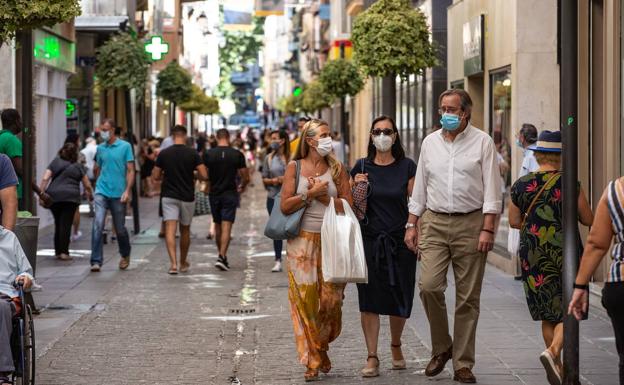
513,242
342,249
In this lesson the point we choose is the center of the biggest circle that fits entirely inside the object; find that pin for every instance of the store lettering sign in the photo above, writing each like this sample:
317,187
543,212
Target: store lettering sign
473,46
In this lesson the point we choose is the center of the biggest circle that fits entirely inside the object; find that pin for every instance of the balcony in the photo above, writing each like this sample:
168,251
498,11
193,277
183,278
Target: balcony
103,15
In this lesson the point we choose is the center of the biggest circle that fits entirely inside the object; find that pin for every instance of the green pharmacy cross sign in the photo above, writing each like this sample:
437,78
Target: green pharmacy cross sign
156,48
70,107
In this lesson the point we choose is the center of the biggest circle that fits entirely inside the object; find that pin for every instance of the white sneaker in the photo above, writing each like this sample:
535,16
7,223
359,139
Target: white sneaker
76,236
36,287
277,267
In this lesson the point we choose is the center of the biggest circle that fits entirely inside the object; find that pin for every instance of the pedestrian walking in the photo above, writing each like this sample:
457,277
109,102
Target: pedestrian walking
114,166
315,305
75,139
8,193
536,210
527,137
391,265
176,166
273,171
609,223
11,146
294,144
61,181
225,164
455,202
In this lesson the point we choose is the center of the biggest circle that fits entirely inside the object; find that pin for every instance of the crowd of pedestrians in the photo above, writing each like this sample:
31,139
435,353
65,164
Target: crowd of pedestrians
442,211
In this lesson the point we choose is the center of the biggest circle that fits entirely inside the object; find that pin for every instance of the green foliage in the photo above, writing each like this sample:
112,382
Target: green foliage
290,105
241,49
18,15
340,78
122,63
392,38
174,84
200,102
314,97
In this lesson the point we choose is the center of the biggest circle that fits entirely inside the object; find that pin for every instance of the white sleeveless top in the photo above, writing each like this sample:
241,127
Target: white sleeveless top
313,216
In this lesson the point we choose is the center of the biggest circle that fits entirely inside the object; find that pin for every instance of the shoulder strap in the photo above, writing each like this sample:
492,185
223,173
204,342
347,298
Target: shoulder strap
537,196
297,171
362,165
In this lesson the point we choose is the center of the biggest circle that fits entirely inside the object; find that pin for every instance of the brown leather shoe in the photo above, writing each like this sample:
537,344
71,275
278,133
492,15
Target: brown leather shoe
465,376
436,365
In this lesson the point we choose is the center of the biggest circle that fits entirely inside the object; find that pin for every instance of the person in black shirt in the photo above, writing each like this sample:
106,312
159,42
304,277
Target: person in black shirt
178,163
224,165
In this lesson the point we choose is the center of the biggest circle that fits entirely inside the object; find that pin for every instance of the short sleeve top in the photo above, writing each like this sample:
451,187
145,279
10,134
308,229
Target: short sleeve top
65,183
387,209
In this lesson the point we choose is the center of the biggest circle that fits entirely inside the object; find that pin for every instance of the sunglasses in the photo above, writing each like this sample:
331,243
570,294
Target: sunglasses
385,131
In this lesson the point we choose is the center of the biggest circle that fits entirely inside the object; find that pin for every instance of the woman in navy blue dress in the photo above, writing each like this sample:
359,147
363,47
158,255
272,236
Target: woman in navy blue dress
391,265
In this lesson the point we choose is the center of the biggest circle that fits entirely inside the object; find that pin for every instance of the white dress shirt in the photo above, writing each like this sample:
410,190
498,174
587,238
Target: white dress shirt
457,176
529,164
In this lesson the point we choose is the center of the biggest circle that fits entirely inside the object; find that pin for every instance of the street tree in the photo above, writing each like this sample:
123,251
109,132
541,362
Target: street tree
340,78
175,85
392,38
200,103
314,97
17,15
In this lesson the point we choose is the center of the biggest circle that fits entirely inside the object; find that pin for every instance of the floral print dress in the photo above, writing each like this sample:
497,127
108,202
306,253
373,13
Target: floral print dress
541,244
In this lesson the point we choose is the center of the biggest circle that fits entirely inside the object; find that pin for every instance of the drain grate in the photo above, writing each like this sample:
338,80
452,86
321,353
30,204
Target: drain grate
242,311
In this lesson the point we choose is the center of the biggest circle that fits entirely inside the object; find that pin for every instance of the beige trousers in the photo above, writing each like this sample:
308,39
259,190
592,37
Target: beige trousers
452,240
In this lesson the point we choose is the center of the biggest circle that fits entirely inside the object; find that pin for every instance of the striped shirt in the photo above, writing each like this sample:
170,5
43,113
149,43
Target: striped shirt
616,211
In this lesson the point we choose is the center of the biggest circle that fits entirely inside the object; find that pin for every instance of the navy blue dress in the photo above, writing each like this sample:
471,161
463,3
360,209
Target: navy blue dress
391,265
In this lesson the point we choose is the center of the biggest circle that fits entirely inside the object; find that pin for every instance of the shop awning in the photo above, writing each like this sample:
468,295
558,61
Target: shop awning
99,23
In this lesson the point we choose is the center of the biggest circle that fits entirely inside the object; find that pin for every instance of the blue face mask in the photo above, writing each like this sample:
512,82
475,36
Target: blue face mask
450,122
519,143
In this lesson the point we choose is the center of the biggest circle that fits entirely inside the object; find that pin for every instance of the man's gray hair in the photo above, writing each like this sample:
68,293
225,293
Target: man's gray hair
464,97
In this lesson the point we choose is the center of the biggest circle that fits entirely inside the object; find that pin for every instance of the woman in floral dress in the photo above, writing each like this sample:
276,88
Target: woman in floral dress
536,210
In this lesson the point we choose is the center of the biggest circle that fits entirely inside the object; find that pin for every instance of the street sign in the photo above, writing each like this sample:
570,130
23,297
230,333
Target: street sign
156,48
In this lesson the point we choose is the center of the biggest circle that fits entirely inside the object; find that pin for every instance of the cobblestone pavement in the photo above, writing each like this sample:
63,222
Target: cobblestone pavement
211,327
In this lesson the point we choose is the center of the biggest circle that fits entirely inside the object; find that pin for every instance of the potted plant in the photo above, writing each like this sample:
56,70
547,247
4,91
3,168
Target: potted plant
17,15
391,38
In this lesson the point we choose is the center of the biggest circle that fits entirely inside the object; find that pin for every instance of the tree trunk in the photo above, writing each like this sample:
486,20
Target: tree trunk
388,96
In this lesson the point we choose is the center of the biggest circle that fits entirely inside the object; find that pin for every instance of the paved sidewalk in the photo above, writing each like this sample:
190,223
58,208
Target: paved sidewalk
211,327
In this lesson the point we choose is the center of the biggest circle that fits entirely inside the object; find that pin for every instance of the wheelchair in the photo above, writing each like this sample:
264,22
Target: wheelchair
23,343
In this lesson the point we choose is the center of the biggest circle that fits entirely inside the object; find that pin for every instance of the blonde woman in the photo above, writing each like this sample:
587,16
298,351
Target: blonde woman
315,305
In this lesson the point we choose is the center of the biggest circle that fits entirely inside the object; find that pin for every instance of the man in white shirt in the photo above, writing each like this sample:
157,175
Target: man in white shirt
455,201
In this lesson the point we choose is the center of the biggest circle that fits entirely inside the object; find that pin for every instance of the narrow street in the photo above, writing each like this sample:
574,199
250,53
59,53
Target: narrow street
211,327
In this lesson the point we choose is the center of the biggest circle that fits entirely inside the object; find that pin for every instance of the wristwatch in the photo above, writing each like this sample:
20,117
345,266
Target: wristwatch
304,197
410,225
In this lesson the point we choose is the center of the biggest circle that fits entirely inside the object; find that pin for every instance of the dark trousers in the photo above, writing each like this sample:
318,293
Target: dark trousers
613,301
277,244
63,213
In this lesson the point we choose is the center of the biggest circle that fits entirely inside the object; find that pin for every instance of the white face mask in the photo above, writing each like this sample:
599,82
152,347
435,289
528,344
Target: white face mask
105,135
382,142
324,146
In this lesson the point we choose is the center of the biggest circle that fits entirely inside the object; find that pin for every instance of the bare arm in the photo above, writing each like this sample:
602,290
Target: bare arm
87,185
344,192
125,197
45,180
244,175
157,173
202,172
8,199
515,216
289,201
597,247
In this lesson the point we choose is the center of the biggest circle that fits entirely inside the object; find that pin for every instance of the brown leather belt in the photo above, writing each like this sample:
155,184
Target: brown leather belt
455,214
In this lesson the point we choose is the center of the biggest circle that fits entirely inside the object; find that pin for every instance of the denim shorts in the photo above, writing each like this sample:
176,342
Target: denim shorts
223,207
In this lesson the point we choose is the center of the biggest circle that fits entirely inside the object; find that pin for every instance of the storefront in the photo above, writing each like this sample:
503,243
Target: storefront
505,55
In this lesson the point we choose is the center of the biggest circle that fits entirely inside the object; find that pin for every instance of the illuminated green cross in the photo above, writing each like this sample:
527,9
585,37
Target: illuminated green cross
156,48
70,107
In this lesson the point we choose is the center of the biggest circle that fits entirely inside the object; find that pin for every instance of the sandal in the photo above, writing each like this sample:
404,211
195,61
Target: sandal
311,375
184,268
4,380
173,271
398,364
371,372
325,362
